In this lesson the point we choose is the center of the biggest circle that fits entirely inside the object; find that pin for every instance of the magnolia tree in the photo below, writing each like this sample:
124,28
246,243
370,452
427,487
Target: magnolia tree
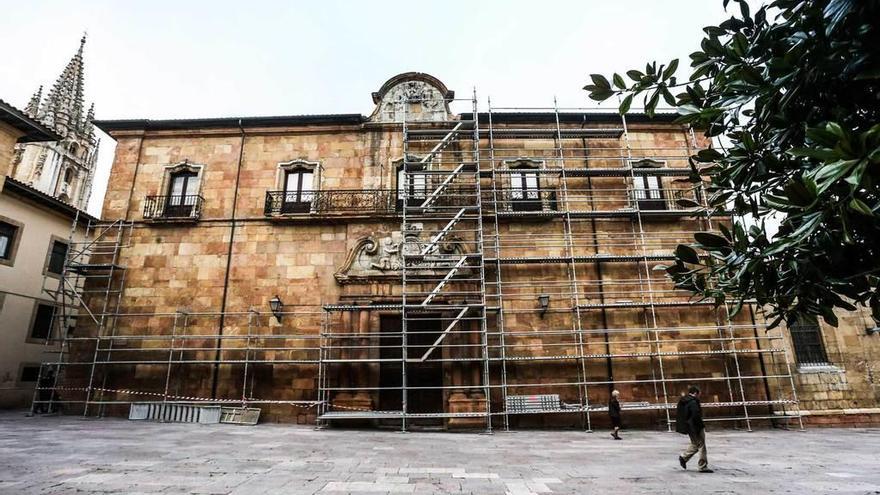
790,96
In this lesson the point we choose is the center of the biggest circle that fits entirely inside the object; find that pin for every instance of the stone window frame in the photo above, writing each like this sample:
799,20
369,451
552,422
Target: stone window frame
824,365
18,377
16,239
33,319
185,166
526,163
315,167
396,168
52,240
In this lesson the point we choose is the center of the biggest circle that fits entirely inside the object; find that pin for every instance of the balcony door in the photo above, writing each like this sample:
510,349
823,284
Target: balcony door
298,191
182,189
525,191
416,188
648,193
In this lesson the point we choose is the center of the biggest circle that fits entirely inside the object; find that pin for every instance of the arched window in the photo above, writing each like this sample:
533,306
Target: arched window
68,176
525,186
647,187
414,187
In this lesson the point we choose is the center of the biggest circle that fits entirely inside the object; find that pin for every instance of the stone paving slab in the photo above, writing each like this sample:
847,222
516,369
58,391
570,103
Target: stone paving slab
62,455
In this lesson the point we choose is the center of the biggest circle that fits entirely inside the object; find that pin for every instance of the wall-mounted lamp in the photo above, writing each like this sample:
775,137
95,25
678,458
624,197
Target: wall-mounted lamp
544,302
276,306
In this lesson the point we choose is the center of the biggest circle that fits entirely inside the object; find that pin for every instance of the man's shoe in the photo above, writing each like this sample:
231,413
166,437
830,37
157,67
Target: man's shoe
682,462
705,470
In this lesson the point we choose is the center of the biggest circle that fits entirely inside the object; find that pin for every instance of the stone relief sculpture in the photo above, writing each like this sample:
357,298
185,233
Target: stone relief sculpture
373,258
420,96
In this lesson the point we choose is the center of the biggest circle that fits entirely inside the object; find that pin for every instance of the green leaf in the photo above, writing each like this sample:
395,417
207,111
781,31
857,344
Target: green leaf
687,254
601,94
711,240
823,154
686,203
822,137
858,205
600,81
740,44
618,81
635,75
670,70
625,104
667,97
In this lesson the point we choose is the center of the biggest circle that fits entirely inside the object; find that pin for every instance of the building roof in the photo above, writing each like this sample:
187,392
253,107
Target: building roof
109,126
33,130
569,117
25,191
226,122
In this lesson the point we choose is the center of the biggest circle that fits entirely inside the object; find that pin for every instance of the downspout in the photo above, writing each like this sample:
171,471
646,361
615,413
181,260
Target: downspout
137,166
598,265
217,347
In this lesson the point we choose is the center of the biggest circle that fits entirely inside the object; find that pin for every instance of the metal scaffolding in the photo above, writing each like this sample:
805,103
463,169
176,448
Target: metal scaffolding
552,295
527,292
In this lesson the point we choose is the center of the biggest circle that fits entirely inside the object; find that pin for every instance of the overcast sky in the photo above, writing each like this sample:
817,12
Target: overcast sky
177,59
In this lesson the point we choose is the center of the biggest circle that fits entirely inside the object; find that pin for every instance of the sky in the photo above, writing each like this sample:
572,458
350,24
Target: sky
182,59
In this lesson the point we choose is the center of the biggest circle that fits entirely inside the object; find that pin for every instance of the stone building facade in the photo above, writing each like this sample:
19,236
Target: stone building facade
430,265
63,169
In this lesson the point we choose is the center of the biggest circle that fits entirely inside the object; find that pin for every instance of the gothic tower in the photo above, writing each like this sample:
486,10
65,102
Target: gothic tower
62,169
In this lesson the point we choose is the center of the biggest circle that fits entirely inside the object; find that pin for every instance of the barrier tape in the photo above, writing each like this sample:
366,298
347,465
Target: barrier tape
181,397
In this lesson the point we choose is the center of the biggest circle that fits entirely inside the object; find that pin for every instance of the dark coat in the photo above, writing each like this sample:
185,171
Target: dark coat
614,408
689,417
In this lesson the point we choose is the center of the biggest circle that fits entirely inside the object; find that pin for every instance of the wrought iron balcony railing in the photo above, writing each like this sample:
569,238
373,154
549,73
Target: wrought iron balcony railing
663,199
173,207
502,200
353,201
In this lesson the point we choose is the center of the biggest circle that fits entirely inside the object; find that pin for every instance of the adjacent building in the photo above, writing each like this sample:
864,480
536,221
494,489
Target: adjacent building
35,229
429,265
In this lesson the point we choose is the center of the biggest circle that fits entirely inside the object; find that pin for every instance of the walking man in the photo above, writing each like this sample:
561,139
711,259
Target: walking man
689,421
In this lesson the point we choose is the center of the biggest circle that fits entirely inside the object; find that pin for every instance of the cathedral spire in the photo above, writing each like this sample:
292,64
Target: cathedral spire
63,107
33,106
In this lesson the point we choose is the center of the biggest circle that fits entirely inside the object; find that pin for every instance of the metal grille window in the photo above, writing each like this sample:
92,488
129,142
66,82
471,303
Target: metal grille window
808,346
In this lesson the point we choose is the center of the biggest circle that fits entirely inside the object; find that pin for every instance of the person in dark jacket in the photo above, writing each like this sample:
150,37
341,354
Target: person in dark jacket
614,413
689,421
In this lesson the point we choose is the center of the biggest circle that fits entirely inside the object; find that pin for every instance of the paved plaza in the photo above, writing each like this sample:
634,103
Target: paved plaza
54,455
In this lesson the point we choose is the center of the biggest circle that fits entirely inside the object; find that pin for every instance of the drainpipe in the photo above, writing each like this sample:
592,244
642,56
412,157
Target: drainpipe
216,369
598,265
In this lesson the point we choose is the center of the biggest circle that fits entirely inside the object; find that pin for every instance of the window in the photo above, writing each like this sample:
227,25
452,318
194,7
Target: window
647,187
182,189
525,190
68,176
648,192
29,373
298,190
42,325
415,188
808,346
7,240
57,255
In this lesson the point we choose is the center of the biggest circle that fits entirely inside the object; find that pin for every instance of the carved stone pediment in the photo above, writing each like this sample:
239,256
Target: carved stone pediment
421,96
379,257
